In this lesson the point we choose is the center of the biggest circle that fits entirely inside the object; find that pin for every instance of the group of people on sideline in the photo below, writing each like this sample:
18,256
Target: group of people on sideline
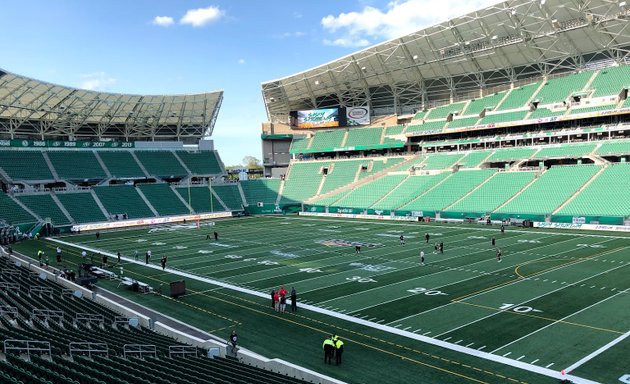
279,299
333,347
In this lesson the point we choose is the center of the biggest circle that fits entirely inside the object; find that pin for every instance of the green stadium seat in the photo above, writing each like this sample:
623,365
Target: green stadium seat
488,102
569,151
12,213
44,206
614,147
610,81
429,126
340,173
606,195
379,164
412,187
473,159
121,199
443,111
363,137
450,190
82,207
163,199
441,161
303,181
121,164
299,145
199,199
161,163
25,165
463,122
76,165
608,107
368,194
229,194
550,190
512,154
261,191
327,140
201,162
540,113
559,89
518,97
494,192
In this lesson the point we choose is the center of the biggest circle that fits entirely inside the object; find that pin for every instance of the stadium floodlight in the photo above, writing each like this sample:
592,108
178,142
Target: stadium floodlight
542,2
415,57
316,82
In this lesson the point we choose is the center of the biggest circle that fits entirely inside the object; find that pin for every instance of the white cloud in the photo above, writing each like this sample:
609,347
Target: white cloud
97,81
241,61
401,17
347,42
288,35
202,16
163,21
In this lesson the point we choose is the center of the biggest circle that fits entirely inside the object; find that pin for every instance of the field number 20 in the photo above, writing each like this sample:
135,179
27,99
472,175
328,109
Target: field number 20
519,308
428,292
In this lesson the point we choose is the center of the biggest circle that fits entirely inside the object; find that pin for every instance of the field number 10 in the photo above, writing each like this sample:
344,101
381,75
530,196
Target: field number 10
519,308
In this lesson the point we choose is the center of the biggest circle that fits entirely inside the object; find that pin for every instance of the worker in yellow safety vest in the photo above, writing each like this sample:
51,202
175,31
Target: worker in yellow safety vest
339,350
329,347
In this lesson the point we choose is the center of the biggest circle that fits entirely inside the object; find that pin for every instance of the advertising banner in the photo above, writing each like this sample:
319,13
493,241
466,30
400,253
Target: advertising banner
64,144
357,116
318,118
358,216
149,221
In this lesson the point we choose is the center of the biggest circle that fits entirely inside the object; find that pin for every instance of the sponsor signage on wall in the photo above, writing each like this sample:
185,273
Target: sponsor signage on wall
357,116
318,118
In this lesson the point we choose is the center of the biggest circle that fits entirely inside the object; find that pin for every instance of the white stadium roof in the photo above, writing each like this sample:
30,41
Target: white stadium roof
33,108
505,43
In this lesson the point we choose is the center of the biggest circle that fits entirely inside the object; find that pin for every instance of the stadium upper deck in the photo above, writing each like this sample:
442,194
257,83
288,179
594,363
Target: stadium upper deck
463,58
38,110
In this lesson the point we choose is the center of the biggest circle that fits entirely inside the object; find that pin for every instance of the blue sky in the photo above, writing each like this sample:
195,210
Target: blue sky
191,46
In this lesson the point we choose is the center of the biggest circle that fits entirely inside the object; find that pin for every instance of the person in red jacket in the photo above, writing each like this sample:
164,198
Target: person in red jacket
276,301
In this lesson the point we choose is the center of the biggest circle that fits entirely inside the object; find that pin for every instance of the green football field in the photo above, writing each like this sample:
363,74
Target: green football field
556,300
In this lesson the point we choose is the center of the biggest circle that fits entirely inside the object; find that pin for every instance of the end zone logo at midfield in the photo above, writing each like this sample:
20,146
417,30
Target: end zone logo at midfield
346,243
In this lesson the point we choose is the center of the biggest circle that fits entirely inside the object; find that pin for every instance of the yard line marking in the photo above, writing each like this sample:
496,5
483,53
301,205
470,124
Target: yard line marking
447,339
468,345
426,333
597,352
556,322
505,284
507,354
519,359
548,365
416,331
534,362
458,341
372,318
404,329
479,349
531,299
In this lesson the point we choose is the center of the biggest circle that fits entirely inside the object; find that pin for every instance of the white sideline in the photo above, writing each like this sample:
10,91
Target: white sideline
597,352
385,328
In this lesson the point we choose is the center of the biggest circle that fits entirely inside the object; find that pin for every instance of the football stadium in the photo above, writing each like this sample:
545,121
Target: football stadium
450,206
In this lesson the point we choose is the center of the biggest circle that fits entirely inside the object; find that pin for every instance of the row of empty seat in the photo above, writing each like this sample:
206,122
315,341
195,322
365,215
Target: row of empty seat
39,165
79,320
